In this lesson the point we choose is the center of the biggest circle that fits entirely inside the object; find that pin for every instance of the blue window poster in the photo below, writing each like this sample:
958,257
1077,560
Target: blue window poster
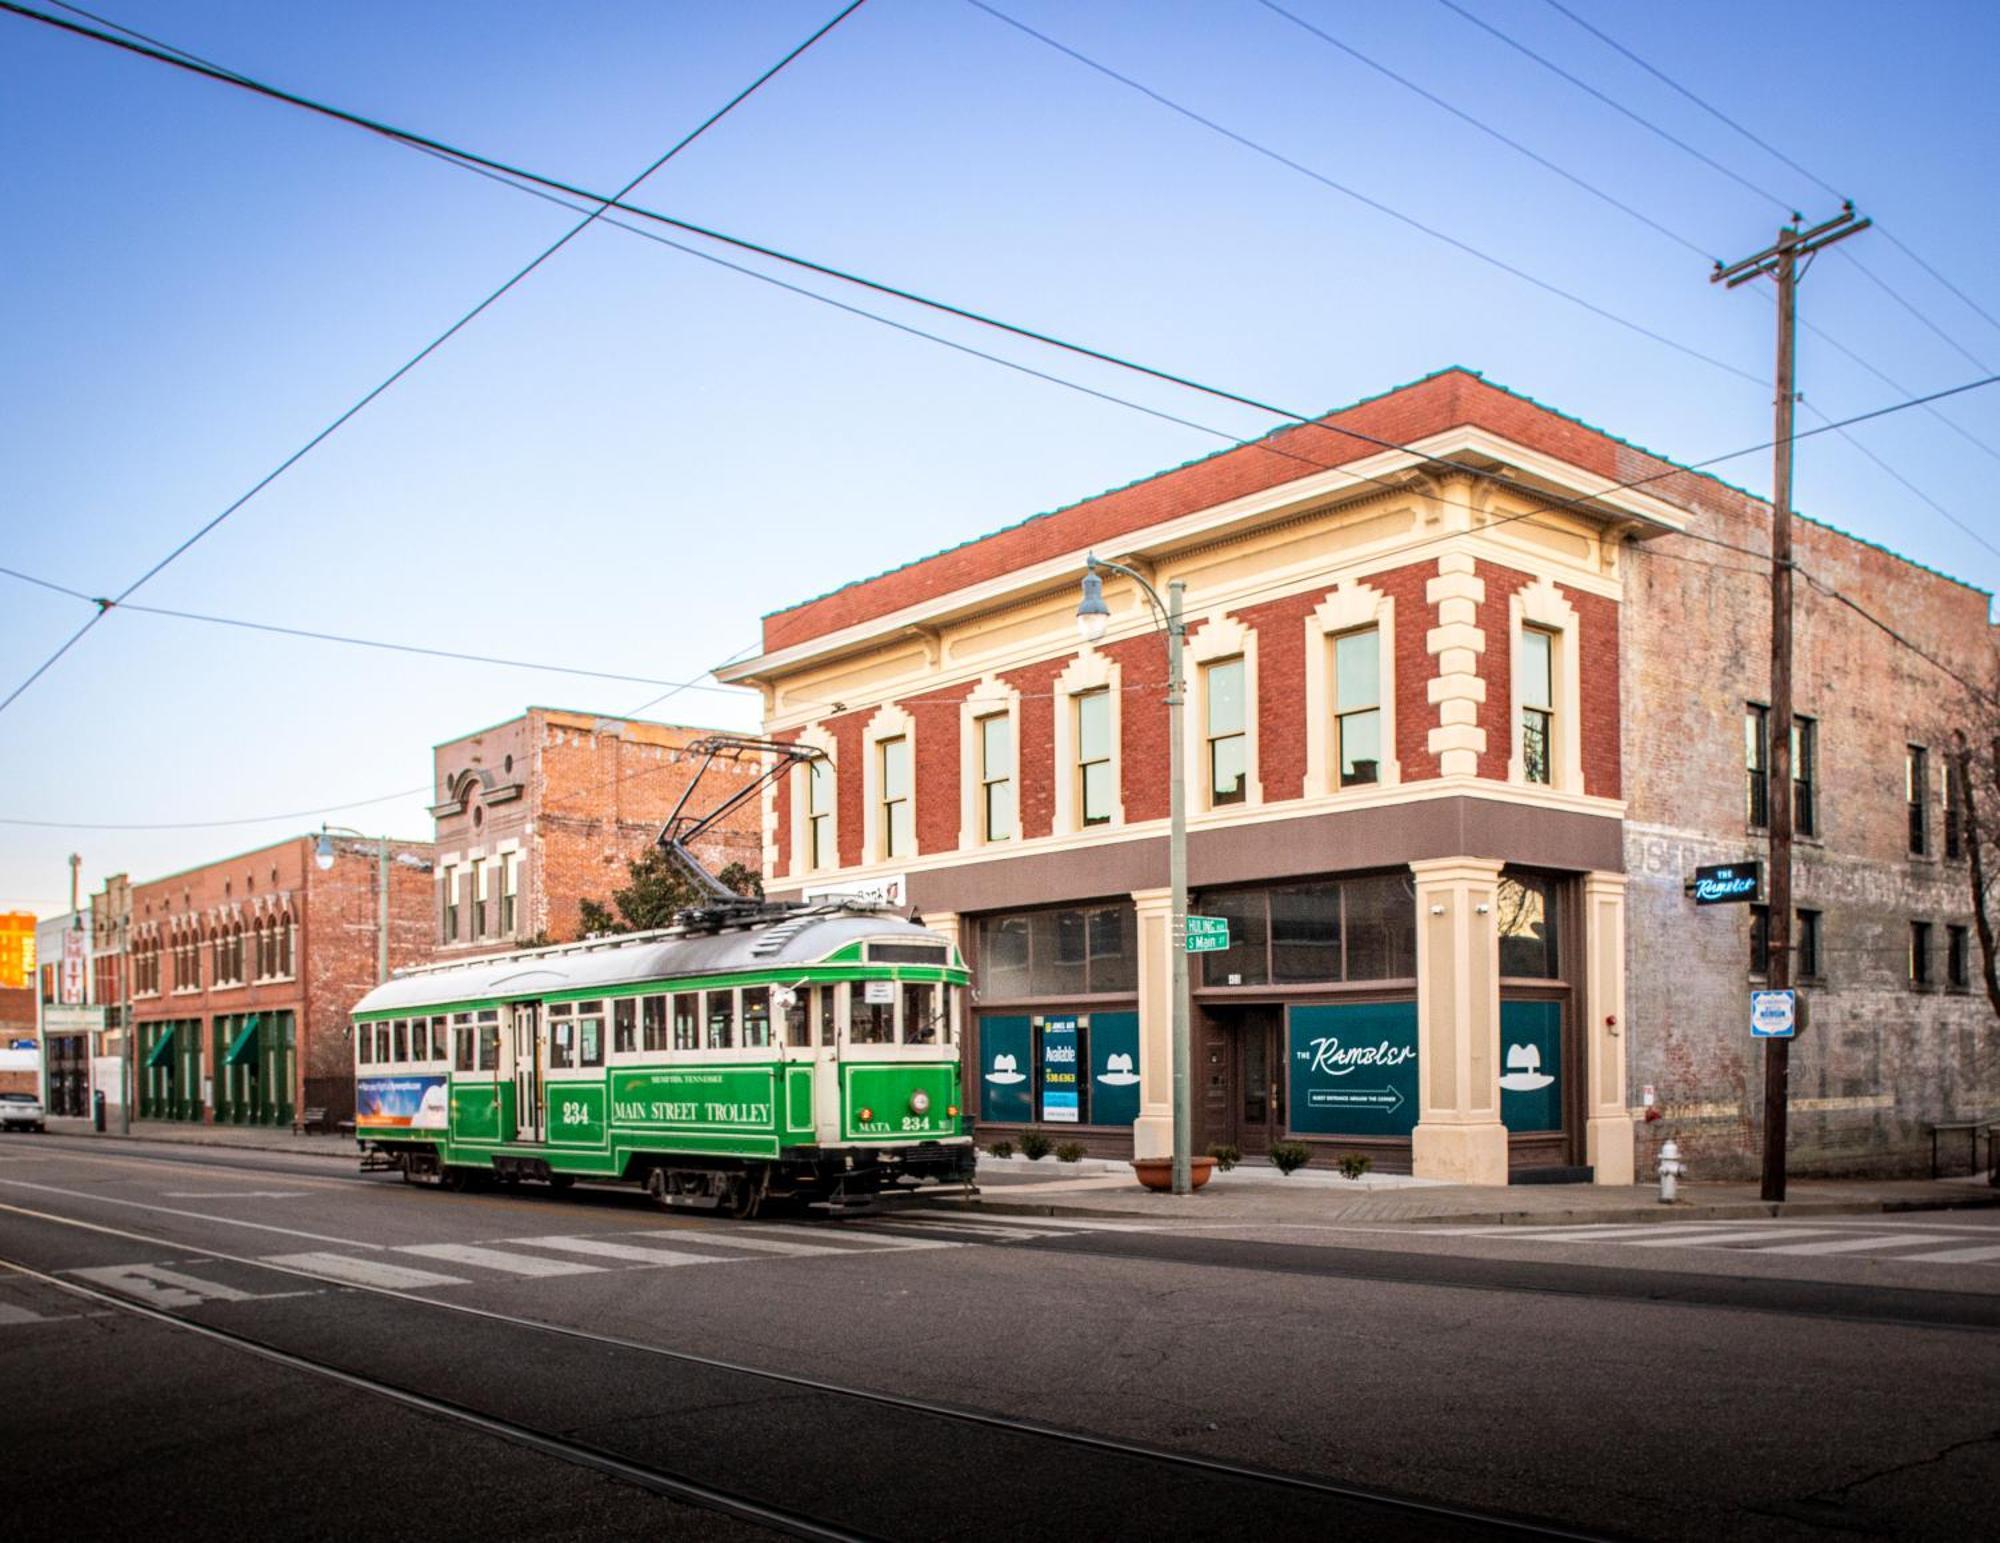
1062,1067
1353,1069
1114,1068
1006,1070
1531,1089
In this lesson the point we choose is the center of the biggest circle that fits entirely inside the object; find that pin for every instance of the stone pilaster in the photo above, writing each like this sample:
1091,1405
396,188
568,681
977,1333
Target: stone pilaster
1459,1136
1608,1117
1153,1131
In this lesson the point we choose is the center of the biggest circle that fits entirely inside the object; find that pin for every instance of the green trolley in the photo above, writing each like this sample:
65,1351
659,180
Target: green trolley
798,1054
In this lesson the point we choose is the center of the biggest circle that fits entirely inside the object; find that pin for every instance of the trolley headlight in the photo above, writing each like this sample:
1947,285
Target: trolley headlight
920,1102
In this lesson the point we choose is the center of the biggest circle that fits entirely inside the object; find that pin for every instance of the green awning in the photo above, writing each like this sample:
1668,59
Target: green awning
162,1051
243,1048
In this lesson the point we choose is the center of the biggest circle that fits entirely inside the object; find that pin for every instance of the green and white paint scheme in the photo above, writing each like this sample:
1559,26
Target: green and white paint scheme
809,1052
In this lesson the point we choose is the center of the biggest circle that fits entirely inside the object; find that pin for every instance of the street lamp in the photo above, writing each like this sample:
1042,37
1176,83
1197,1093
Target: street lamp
323,860
1093,616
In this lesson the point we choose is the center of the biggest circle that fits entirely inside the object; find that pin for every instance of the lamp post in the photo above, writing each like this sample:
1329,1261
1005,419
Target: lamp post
1092,618
323,860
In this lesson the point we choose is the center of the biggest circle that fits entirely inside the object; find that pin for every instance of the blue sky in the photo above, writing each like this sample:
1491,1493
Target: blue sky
636,453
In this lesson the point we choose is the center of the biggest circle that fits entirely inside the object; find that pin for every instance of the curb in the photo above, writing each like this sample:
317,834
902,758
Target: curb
212,1146
1720,1210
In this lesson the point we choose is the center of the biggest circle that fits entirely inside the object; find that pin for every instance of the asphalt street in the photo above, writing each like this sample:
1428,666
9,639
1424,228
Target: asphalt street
227,1343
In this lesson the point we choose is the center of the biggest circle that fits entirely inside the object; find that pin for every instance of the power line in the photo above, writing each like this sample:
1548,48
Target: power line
1772,150
1436,234
260,819
190,61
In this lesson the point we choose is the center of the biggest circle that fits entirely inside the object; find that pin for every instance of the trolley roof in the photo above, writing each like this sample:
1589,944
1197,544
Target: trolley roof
801,938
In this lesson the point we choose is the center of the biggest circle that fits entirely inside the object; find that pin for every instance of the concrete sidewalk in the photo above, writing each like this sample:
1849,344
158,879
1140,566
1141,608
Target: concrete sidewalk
1329,1200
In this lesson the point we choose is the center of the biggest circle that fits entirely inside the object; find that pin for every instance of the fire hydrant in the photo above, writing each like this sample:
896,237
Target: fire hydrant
1671,1169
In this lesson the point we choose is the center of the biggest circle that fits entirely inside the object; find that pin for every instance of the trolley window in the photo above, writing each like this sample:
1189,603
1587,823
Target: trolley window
721,1020
798,1018
756,1017
590,1034
400,1041
382,1043
562,1037
364,1045
869,1023
625,1024
923,1020
489,1040
687,1020
655,1017
439,1039
461,1039
829,1005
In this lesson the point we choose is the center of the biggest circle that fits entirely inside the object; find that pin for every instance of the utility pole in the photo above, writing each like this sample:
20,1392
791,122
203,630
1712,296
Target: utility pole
1783,261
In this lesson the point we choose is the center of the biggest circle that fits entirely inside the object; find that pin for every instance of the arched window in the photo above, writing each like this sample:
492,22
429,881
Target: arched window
286,928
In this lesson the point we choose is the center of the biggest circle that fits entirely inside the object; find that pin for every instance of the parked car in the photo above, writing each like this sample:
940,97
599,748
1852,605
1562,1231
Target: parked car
21,1111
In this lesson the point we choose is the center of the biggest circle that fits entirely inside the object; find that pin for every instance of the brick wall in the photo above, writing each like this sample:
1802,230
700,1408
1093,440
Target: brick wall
936,716
1281,708
1034,754
1415,714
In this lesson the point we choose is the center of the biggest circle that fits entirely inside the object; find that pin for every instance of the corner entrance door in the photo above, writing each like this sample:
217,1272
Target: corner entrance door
1247,1043
529,1051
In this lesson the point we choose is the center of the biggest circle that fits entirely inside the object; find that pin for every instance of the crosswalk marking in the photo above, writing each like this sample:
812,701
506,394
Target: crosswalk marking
10,1314
1850,1245
978,1229
598,1249
363,1272
157,1286
755,1245
498,1259
1984,1255
1004,1219
1723,1235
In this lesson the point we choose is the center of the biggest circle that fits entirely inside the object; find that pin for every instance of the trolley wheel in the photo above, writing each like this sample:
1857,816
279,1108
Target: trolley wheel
457,1180
561,1181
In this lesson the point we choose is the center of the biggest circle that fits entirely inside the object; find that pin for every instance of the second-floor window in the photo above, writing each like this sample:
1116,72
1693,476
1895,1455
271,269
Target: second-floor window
1954,806
1093,758
450,927
510,892
819,814
1920,953
898,829
1916,785
1805,776
1757,763
996,776
1536,693
1957,959
1357,706
481,882
1805,942
1228,741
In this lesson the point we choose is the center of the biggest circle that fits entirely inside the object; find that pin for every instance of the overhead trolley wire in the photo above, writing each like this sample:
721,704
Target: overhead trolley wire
898,292
186,61
1681,240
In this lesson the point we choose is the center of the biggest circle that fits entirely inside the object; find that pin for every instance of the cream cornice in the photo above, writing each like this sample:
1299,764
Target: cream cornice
920,622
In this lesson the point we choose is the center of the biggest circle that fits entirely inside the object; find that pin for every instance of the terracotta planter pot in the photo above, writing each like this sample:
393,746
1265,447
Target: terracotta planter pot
1158,1172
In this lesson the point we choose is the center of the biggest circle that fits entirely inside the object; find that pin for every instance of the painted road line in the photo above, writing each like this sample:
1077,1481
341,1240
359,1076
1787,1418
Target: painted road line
200,1216
755,1245
237,1194
598,1249
972,1229
498,1259
990,1219
11,1315
1852,1245
363,1272
1756,1235
1598,1234
160,1287
1987,1255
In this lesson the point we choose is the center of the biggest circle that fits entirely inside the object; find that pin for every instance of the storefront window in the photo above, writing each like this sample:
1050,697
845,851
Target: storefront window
1077,951
1353,930
1527,927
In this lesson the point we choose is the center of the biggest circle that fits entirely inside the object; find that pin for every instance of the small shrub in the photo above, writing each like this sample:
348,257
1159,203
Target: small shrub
1070,1152
1354,1164
1226,1157
1002,1149
1035,1145
1288,1155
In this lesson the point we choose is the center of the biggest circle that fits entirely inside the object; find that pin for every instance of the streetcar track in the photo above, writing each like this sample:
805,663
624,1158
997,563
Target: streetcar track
1118,1446
549,1444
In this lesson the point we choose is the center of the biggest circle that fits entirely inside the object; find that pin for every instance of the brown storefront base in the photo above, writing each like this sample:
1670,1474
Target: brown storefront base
1341,841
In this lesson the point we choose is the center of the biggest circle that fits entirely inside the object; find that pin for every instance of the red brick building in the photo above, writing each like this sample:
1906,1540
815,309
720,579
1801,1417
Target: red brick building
243,971
538,814
1468,700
